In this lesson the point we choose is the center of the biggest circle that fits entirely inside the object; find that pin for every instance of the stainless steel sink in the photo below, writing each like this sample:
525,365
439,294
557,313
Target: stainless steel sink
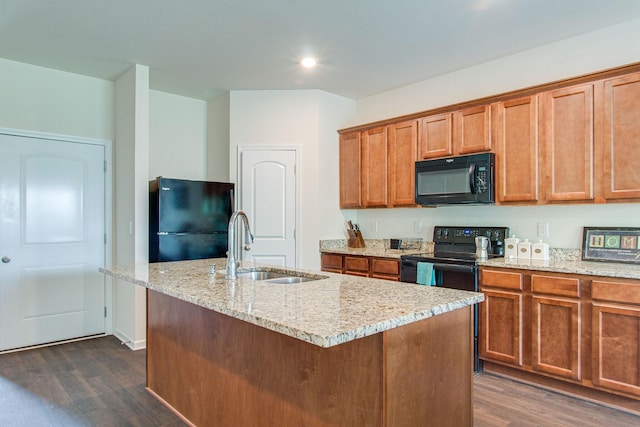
285,277
260,275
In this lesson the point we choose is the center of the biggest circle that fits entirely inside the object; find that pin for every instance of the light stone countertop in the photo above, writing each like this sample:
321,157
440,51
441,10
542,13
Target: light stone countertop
571,266
327,312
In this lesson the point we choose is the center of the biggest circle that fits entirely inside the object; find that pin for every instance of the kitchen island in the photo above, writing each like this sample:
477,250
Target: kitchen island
335,351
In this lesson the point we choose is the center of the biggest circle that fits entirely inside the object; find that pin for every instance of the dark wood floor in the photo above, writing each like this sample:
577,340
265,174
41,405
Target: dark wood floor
100,382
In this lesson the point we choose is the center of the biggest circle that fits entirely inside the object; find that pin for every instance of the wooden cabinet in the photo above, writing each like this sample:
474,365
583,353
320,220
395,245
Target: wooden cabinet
363,266
501,323
350,167
556,335
331,262
374,168
436,136
616,335
461,132
403,152
567,127
621,133
576,332
377,166
563,142
356,265
515,134
472,130
385,268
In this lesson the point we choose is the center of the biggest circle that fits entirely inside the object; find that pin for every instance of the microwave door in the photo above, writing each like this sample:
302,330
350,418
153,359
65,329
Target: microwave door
472,178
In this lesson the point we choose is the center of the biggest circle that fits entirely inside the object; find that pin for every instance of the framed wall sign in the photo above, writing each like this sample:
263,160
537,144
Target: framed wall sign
611,244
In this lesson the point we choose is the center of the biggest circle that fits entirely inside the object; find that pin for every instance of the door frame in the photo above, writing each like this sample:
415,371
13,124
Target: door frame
108,206
238,198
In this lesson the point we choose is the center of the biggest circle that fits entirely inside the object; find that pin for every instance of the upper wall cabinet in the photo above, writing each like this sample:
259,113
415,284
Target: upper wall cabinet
567,144
374,167
564,142
350,167
403,150
621,131
515,135
461,132
436,136
472,130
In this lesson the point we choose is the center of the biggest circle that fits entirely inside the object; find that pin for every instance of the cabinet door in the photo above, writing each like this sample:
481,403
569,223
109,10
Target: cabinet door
515,134
622,137
567,132
616,347
501,327
331,262
436,136
403,148
384,268
350,168
556,336
374,167
356,265
616,335
473,130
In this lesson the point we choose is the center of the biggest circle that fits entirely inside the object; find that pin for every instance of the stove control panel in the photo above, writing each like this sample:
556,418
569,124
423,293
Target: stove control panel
467,235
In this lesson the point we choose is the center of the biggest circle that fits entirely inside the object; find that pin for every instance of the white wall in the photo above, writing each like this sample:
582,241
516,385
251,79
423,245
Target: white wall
45,100
177,136
304,119
611,47
218,138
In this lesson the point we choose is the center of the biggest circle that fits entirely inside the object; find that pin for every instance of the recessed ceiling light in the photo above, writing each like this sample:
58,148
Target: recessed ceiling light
308,62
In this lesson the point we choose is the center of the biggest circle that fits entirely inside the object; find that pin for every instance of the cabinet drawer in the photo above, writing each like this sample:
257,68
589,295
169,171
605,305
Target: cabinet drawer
356,265
385,266
616,291
553,285
501,279
331,262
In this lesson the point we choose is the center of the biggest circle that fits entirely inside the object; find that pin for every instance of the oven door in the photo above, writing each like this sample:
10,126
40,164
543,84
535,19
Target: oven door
448,275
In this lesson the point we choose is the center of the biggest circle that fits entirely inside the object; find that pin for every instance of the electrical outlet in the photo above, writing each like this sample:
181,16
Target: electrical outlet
373,226
543,229
417,226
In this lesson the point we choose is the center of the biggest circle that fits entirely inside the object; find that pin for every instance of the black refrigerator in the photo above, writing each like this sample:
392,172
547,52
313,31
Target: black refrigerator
188,219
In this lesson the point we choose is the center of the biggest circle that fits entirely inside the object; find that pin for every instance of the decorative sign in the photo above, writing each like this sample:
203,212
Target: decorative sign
612,244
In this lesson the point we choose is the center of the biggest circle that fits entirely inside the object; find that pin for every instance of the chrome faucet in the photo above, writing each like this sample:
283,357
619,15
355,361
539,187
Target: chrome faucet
232,264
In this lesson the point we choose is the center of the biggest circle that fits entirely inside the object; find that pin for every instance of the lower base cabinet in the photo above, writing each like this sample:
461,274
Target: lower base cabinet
582,330
616,335
363,266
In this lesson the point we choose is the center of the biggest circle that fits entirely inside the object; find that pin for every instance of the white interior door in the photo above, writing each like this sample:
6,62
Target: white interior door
52,240
268,197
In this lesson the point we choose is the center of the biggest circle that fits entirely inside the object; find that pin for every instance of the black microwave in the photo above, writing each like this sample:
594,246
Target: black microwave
456,180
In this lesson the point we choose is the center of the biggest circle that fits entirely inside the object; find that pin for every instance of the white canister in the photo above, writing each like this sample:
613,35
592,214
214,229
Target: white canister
540,250
524,249
511,247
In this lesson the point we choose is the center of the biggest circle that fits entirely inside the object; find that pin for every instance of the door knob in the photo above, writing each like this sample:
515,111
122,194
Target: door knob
6,259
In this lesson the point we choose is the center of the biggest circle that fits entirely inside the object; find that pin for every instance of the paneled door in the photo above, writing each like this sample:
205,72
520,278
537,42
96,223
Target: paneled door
268,197
52,240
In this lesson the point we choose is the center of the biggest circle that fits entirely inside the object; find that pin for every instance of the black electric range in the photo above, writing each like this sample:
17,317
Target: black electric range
454,261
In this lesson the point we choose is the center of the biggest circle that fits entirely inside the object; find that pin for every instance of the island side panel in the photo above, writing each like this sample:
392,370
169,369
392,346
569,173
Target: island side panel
217,370
429,371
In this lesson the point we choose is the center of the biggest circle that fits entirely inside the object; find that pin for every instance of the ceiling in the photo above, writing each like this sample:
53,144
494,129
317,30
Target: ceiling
200,48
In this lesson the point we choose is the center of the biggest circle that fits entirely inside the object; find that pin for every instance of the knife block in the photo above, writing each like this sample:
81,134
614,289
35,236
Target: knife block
355,239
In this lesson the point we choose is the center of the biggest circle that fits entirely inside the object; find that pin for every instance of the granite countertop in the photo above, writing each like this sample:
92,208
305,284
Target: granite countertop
373,248
327,312
569,265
